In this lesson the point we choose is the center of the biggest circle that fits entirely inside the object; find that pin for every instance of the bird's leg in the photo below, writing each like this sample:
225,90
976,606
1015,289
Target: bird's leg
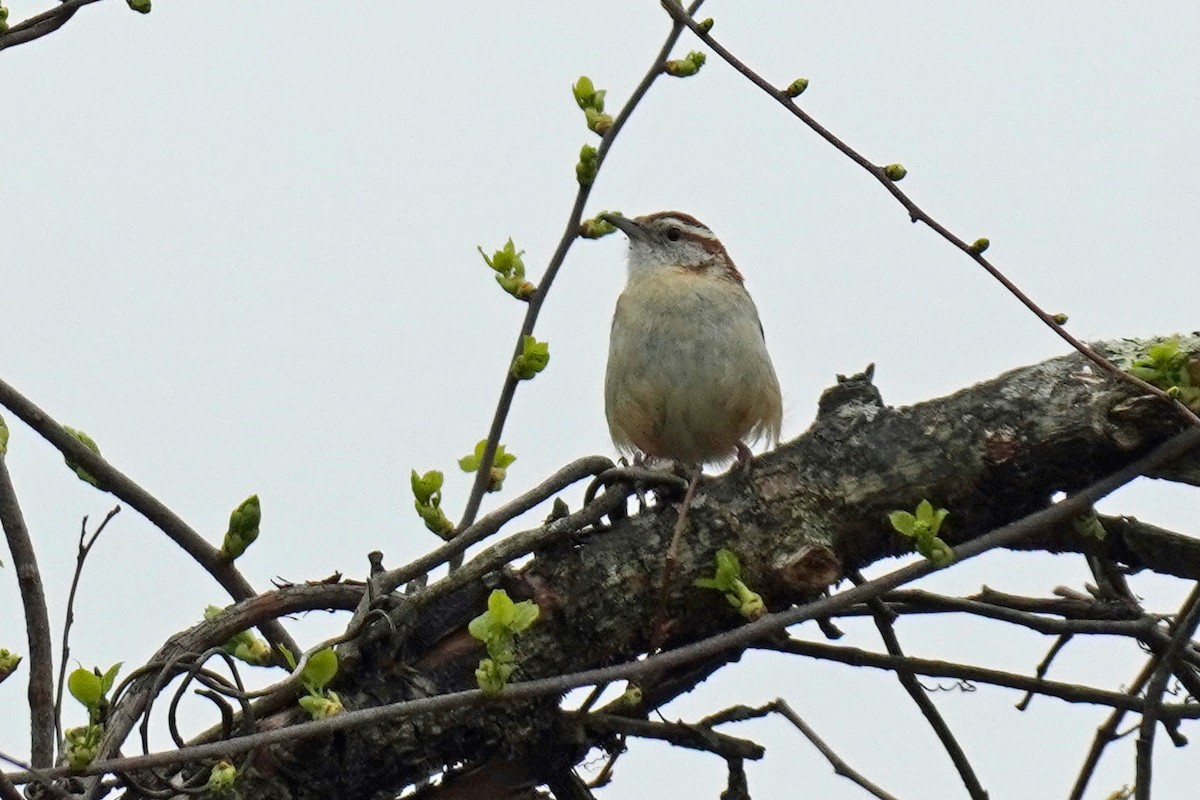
744,458
658,627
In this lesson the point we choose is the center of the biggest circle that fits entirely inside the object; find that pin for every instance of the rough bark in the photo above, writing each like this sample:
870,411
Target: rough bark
810,511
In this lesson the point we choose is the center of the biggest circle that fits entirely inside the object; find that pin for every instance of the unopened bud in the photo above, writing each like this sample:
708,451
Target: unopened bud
895,172
796,87
1060,318
706,24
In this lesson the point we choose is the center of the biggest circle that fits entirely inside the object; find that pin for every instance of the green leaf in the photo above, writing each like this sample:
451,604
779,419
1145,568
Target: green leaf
84,685
288,657
427,488
584,92
525,613
903,522
320,669
501,607
109,677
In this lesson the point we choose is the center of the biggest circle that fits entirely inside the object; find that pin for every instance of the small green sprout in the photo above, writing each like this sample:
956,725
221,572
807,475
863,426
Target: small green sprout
243,528
685,67
3,20
1089,526
221,778
591,100
497,628
1059,318
243,645
796,87
979,245
895,172
427,489
597,226
923,527
140,6
500,463
533,359
319,670
90,688
1166,366
588,166
8,663
727,579
90,444
510,271
706,24
3,429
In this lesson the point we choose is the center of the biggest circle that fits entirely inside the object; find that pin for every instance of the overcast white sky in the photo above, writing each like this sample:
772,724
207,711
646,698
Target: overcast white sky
239,251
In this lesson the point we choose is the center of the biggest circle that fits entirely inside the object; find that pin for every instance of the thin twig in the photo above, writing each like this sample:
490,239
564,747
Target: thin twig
839,764
570,233
917,214
1107,733
680,734
1044,666
113,480
37,624
1187,622
908,679
752,632
81,554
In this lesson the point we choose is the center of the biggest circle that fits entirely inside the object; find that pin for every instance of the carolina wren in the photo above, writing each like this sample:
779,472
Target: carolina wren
689,377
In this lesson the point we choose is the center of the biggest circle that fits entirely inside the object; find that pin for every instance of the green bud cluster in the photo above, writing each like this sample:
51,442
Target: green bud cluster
687,66
221,779
727,579
497,628
1166,366
533,359
243,528
923,527
90,444
243,645
501,460
427,489
588,166
597,226
8,663
591,100
90,688
510,270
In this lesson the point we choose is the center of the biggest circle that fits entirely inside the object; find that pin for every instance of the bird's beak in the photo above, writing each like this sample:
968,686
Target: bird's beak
626,225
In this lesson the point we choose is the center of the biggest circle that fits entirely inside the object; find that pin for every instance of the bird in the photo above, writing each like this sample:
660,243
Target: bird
689,377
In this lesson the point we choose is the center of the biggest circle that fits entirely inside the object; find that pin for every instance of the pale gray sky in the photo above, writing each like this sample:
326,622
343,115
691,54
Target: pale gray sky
239,251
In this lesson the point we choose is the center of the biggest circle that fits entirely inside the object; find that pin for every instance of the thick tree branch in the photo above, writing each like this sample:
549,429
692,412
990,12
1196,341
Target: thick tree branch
37,623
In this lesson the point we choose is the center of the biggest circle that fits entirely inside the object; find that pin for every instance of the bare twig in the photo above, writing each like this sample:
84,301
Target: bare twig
839,764
1107,733
1186,624
113,480
570,233
81,554
1044,666
908,679
917,214
37,624
681,734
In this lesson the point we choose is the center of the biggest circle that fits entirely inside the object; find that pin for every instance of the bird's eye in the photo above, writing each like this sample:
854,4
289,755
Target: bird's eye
673,234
